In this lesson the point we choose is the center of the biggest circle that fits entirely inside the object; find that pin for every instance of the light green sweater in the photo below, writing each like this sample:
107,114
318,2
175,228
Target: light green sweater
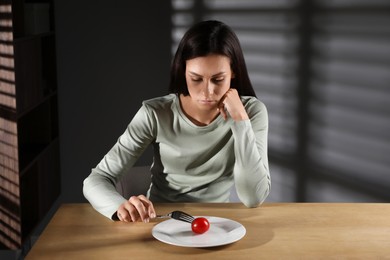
191,163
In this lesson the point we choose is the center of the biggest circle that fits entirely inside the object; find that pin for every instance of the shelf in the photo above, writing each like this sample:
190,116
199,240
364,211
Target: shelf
40,187
35,74
29,117
34,17
52,95
30,37
36,130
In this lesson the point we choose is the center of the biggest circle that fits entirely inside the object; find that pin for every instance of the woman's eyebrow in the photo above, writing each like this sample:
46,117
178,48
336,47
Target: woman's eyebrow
215,75
194,74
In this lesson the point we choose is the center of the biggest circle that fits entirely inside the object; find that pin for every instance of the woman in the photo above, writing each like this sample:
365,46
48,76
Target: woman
208,134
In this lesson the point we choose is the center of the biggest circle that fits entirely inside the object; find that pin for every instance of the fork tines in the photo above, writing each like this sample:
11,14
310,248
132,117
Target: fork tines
180,215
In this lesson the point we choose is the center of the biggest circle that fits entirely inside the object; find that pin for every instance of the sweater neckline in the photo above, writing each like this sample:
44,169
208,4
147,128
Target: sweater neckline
213,124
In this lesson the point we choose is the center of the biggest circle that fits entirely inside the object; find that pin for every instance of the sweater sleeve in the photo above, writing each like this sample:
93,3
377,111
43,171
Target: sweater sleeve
99,187
251,171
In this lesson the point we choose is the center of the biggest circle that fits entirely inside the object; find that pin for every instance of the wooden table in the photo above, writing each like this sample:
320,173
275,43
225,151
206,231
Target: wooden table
274,231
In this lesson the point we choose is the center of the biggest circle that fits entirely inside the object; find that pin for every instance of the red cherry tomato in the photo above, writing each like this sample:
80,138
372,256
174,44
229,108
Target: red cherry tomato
200,225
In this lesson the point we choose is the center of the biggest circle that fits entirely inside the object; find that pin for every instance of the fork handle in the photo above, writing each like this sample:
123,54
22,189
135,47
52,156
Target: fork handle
163,216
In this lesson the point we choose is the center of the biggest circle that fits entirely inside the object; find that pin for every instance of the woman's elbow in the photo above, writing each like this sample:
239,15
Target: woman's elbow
255,200
251,204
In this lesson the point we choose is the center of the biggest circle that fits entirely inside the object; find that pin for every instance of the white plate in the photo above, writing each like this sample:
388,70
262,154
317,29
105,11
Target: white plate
222,231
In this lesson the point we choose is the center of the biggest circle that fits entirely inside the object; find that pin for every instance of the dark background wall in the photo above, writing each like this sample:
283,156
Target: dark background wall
111,56
321,68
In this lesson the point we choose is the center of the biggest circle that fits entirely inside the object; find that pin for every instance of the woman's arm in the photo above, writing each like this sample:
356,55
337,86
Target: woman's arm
251,171
99,186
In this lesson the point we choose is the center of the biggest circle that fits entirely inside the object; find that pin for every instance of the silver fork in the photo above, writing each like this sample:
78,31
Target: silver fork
178,215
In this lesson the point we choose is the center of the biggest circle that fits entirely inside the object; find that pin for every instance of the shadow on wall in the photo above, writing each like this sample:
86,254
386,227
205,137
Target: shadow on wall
322,69
111,57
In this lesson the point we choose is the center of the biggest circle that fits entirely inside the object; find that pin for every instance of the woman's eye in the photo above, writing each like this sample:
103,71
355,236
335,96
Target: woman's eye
218,80
196,79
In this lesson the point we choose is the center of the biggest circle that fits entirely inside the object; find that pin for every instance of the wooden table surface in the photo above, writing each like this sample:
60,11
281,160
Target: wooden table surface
274,231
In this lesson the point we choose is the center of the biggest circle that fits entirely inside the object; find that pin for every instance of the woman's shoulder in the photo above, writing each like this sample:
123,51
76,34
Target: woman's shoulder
254,107
250,102
160,102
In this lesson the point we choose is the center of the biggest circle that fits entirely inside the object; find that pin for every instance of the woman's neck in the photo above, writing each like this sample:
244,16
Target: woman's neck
195,115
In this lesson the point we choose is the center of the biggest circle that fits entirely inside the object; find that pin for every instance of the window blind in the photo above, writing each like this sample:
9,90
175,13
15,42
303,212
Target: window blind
322,69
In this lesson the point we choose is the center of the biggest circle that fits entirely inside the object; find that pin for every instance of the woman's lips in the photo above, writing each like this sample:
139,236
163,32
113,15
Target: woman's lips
206,101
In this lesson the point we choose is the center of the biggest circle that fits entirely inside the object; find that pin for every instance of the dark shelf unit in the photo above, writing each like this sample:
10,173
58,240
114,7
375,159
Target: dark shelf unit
29,159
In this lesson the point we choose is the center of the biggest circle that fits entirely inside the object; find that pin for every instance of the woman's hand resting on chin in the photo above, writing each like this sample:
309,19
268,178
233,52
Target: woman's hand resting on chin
231,105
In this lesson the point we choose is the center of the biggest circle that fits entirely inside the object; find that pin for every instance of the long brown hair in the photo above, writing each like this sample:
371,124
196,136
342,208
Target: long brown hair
202,39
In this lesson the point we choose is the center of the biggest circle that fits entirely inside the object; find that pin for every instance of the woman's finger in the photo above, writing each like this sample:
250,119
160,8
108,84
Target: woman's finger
139,206
222,109
233,106
123,212
136,208
148,205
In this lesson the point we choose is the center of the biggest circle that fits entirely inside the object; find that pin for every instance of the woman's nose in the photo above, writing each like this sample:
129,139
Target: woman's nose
209,88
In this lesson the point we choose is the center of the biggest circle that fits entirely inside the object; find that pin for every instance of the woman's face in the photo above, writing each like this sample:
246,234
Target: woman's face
208,79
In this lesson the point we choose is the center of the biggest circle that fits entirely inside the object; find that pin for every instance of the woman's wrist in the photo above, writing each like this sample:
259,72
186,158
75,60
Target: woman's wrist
240,116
